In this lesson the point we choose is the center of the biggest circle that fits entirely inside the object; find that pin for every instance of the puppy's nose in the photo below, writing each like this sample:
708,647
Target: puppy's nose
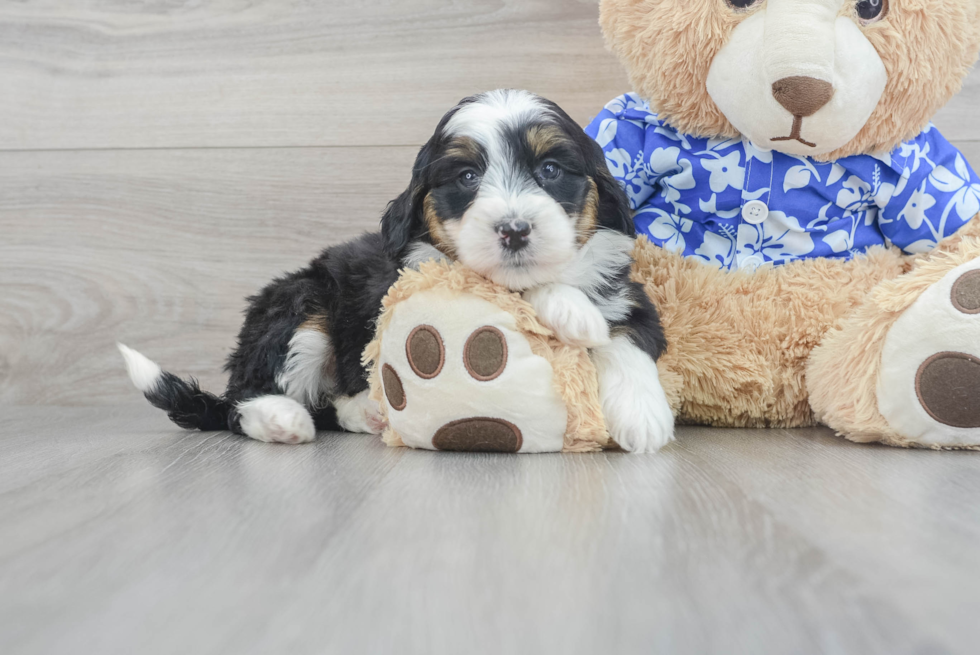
514,234
802,96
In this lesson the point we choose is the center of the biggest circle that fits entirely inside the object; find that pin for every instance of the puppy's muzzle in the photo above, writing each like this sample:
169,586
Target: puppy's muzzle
514,234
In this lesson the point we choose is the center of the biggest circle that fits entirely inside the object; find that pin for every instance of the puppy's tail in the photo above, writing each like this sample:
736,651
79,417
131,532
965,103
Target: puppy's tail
183,400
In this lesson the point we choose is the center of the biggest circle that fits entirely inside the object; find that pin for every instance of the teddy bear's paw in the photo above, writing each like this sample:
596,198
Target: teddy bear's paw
456,374
359,414
637,413
929,384
570,314
276,419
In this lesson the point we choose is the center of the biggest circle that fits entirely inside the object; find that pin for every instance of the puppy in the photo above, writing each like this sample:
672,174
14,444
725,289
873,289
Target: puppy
508,185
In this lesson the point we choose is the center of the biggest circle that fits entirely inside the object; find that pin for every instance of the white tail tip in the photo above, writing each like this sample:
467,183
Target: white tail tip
144,373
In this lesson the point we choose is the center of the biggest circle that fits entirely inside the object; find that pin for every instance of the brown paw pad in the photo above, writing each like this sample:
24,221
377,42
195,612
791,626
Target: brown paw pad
479,435
966,293
485,354
425,351
948,387
394,389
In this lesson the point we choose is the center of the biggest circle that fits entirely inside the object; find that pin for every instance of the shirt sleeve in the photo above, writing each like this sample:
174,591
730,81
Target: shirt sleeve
624,129
937,194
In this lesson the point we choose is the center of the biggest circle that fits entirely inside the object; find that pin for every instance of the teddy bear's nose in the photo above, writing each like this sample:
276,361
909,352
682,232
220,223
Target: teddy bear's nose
802,96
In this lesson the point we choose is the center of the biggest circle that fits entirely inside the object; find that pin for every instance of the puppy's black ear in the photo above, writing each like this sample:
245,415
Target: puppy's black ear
614,206
399,223
402,221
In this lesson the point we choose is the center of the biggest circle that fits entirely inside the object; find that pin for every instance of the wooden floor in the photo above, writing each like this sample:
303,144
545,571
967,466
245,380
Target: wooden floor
162,159
120,533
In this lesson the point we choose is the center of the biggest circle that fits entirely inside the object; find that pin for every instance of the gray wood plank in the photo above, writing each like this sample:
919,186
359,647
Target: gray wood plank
120,533
959,120
229,73
119,74
159,249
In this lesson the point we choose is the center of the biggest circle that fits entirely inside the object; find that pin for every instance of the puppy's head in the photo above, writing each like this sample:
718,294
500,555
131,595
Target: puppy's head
510,186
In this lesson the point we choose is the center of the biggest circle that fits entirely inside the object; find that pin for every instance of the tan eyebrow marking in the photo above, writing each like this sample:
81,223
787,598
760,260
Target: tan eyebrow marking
463,147
545,138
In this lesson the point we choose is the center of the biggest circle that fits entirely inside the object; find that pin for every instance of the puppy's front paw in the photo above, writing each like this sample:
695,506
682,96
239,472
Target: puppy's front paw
637,414
570,315
639,423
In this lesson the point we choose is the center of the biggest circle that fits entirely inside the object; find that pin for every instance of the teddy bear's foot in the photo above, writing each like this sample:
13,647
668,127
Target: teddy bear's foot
929,382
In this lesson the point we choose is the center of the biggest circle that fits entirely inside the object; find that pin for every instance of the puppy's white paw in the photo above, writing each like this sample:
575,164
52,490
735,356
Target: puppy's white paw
359,414
639,423
635,406
574,319
278,419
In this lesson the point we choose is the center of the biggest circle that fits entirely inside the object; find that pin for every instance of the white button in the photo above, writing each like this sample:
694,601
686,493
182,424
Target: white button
755,212
751,263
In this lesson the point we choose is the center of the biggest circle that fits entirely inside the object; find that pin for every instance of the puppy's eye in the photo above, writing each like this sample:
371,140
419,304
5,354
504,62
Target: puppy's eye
743,4
549,170
871,11
469,178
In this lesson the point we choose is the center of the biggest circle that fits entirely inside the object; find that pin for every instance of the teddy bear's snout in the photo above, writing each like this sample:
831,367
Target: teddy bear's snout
802,96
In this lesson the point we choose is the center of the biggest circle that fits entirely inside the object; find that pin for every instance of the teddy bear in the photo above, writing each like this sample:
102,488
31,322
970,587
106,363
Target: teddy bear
460,363
811,241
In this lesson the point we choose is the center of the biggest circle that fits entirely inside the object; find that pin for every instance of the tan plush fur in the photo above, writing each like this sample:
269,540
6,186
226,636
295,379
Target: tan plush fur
739,342
668,46
575,376
842,374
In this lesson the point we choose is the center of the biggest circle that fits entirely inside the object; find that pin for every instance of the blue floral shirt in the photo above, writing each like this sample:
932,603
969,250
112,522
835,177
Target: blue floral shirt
734,205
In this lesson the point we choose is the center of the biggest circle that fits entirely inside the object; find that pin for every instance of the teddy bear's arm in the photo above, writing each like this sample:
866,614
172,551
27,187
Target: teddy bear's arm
937,194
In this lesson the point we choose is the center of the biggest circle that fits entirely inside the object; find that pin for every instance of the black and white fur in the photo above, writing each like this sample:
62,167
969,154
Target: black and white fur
508,185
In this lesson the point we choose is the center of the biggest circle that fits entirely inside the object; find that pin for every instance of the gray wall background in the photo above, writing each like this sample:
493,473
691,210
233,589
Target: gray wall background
160,160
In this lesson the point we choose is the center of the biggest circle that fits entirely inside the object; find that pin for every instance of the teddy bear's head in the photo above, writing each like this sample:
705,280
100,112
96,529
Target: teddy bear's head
822,78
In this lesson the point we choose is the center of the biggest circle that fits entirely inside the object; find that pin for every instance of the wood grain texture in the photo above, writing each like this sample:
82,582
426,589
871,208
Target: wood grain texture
120,533
123,74
959,120
158,249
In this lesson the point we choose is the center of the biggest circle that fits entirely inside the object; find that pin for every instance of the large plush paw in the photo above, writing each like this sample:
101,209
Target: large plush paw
637,414
929,384
457,374
278,419
359,414
570,314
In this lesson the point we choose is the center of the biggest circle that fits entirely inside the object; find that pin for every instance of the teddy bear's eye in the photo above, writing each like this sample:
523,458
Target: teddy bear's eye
871,11
743,4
